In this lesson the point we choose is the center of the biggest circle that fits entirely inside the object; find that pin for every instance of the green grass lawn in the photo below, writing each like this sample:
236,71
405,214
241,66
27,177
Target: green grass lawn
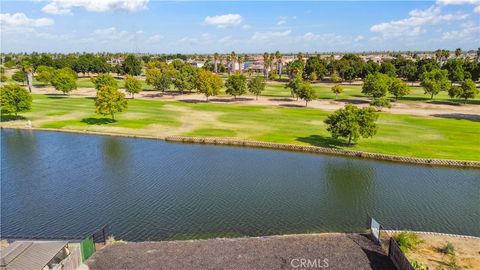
323,90
429,137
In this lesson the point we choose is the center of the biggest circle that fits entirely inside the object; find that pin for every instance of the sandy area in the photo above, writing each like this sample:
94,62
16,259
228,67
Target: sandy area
410,108
467,251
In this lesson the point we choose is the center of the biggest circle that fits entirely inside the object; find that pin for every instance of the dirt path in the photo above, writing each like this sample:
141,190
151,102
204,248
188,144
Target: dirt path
332,251
410,108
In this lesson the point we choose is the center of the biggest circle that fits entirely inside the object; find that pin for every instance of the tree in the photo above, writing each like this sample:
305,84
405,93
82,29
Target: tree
160,74
369,68
398,88
317,66
215,62
335,78
272,75
278,56
337,89
132,65
236,85
208,83
185,78
19,76
9,64
256,85
266,60
313,76
294,86
110,101
352,122
456,73
27,69
435,81
389,69
306,92
14,99
132,85
44,74
458,52
64,81
467,90
104,80
376,85
295,69
380,103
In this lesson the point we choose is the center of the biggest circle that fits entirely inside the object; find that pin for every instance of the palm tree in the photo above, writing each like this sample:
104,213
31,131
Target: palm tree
27,68
229,68
458,52
300,56
278,56
215,62
241,59
272,60
233,57
265,64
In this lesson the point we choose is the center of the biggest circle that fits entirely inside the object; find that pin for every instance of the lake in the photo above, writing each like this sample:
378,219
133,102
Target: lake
60,184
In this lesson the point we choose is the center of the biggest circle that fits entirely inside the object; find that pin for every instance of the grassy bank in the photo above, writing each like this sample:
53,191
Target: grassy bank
427,137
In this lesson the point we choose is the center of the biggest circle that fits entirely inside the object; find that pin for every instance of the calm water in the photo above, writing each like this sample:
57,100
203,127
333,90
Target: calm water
68,184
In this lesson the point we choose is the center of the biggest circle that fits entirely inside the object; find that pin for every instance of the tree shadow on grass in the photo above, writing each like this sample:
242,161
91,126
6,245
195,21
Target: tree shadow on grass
459,116
353,101
97,121
11,117
56,96
322,141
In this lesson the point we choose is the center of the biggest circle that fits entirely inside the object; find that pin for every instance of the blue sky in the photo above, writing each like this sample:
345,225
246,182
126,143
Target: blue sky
223,26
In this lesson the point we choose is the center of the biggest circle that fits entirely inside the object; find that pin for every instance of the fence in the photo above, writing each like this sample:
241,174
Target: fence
88,243
389,245
73,261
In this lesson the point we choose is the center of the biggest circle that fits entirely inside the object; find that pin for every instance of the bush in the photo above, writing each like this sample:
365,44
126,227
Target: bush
380,103
407,241
448,249
418,265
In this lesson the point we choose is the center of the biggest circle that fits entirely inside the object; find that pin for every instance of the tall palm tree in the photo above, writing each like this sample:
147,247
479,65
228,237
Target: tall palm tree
300,56
265,64
272,60
233,57
215,62
458,52
229,60
241,59
278,56
27,69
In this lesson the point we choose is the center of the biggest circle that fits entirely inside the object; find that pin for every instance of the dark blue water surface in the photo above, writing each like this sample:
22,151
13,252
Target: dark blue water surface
57,184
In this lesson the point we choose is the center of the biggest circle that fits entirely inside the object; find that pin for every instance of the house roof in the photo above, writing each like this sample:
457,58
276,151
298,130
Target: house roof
29,255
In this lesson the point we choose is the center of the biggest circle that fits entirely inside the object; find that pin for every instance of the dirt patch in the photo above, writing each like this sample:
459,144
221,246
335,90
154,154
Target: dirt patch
338,251
467,251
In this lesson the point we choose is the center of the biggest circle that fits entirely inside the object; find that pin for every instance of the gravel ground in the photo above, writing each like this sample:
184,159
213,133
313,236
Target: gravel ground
309,251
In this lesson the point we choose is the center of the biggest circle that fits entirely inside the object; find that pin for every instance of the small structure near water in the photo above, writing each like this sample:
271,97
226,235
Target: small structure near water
41,255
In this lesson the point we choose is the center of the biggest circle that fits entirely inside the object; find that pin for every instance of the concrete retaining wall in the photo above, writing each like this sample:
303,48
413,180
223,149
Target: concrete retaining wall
324,150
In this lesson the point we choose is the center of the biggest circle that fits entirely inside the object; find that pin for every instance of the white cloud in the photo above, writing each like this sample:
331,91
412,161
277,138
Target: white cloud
223,21
155,38
268,36
412,26
476,3
322,38
64,7
359,38
467,32
110,33
246,26
21,20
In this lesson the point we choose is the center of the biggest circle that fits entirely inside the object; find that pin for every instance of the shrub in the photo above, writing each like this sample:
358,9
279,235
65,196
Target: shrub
407,241
448,249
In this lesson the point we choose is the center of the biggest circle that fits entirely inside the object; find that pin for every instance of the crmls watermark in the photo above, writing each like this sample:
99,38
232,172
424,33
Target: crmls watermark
309,263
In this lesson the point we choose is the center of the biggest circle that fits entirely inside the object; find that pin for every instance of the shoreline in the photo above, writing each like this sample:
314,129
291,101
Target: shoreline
277,146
